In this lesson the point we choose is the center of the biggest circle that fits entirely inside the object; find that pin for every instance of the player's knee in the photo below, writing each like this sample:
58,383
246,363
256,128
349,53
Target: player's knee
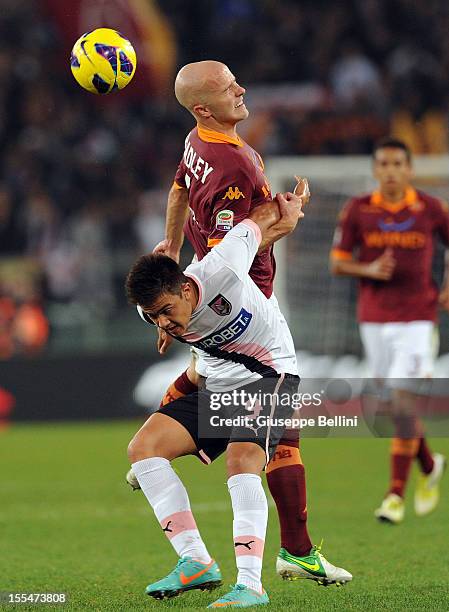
134,449
244,457
144,446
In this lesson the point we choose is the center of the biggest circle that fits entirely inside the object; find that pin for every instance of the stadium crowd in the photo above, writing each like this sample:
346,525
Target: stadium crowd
83,184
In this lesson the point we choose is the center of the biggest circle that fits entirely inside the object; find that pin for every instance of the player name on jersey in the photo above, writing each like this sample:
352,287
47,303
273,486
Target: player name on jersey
225,181
196,164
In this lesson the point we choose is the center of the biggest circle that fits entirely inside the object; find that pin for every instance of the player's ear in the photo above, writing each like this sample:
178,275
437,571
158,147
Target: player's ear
186,289
202,111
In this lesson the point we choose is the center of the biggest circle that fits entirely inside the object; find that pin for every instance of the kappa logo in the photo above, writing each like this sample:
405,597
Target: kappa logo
233,193
220,305
225,220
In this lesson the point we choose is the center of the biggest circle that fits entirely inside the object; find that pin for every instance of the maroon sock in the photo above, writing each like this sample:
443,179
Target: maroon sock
179,388
402,455
424,457
287,483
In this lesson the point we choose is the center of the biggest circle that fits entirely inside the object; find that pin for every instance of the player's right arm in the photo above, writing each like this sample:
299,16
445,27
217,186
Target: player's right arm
342,262
176,215
177,212
381,268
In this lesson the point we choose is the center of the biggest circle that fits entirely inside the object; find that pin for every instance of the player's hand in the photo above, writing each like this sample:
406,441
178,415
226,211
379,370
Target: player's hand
383,267
164,248
279,218
163,341
291,203
290,210
302,189
444,297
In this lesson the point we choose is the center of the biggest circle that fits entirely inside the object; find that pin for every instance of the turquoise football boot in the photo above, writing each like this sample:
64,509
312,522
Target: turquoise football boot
241,596
188,574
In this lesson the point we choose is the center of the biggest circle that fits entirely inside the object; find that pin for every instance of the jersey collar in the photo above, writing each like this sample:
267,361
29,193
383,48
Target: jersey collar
410,198
218,137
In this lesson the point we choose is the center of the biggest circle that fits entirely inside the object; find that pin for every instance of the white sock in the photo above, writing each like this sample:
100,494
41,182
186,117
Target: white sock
250,507
170,502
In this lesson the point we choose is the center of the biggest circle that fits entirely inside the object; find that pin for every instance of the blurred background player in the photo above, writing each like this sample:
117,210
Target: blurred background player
394,230
219,180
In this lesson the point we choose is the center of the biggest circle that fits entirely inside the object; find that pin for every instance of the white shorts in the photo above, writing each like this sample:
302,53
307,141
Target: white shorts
400,350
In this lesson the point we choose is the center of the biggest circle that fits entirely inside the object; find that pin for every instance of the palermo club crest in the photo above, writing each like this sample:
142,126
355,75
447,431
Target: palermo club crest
220,305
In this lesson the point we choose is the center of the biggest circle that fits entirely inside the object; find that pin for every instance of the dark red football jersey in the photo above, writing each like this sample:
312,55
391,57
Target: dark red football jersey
370,224
225,180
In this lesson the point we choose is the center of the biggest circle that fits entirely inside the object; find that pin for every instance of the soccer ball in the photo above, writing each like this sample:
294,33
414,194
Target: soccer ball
103,61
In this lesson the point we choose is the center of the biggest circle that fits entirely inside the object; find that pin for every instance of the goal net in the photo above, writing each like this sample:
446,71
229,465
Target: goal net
321,308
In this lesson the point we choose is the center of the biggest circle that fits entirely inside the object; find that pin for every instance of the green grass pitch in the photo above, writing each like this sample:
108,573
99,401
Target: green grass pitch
68,522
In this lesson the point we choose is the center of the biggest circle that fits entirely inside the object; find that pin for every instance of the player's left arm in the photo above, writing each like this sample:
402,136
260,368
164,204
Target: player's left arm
276,217
236,251
280,217
239,247
288,213
239,190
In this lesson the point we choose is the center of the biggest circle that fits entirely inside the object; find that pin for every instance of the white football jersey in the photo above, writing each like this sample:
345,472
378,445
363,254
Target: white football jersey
233,319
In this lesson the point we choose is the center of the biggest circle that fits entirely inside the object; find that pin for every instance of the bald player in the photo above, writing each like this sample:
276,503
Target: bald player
219,181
